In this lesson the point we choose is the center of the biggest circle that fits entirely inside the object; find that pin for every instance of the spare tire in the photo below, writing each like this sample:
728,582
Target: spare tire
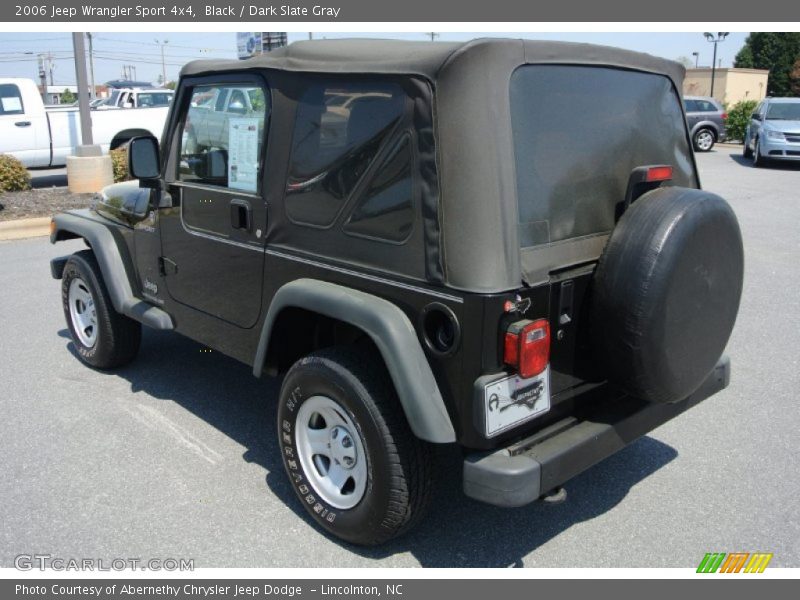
666,293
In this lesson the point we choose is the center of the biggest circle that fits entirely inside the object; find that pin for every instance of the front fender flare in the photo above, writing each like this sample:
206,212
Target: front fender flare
109,256
392,333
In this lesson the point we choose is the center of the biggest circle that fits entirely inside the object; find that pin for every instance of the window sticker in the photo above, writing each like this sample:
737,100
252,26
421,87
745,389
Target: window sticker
243,154
11,104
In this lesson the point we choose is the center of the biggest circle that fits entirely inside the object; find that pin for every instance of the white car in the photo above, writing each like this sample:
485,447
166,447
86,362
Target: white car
44,137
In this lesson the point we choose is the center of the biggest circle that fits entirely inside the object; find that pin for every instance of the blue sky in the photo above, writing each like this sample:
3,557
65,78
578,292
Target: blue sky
113,50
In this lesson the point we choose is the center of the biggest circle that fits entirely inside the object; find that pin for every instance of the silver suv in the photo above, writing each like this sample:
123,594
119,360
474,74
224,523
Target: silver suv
706,118
773,131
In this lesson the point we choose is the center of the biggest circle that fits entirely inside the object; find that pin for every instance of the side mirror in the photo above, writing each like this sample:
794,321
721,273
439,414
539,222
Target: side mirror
143,158
756,117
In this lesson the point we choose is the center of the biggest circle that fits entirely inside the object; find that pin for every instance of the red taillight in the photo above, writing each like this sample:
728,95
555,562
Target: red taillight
660,173
724,116
527,347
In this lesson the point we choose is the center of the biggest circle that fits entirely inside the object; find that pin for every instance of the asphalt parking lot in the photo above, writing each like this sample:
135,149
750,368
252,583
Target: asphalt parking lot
174,456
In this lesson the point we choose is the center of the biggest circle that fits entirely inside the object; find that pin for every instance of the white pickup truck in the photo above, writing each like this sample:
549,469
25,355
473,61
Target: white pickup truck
44,137
137,98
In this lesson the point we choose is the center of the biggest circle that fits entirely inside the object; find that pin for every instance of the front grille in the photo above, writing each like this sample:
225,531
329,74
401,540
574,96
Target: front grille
792,137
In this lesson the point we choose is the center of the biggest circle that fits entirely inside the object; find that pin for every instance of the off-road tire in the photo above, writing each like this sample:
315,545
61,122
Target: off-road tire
118,337
399,477
666,293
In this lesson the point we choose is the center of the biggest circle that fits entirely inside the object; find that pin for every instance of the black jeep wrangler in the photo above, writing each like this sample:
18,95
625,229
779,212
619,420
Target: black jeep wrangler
501,244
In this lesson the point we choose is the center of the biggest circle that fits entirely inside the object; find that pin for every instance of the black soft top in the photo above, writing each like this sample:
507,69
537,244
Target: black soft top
431,59
477,235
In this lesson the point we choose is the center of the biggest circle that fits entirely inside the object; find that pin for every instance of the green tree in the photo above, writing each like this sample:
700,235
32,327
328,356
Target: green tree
794,78
68,97
738,118
775,51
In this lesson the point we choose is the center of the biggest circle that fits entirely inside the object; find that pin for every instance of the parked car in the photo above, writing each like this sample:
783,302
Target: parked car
42,137
706,118
137,98
774,131
423,270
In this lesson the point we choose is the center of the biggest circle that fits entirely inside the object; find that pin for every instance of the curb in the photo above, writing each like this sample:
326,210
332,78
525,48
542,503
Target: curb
24,228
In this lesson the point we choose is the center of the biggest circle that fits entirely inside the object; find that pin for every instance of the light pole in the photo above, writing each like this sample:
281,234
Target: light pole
696,58
163,43
79,50
715,40
92,90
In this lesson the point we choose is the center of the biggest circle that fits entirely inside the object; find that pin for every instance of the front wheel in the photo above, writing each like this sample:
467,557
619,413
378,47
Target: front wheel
351,457
103,338
758,160
747,152
703,140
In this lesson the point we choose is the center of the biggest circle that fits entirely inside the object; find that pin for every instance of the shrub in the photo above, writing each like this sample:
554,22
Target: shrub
14,177
119,160
738,118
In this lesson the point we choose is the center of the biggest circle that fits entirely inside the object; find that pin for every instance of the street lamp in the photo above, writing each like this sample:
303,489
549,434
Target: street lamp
696,58
163,43
715,40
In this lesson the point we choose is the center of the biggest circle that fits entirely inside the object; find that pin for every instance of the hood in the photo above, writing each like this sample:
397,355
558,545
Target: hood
782,126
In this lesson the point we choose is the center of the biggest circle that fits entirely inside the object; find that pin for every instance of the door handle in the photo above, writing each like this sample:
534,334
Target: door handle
23,123
241,214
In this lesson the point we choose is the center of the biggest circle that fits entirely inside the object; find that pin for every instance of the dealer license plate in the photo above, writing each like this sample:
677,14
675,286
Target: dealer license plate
512,401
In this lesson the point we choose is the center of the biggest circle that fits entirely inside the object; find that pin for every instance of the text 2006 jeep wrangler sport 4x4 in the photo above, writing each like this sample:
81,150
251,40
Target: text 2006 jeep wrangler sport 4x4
501,244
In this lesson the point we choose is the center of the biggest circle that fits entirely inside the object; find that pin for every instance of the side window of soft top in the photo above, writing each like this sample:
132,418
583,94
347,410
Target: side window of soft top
352,160
223,148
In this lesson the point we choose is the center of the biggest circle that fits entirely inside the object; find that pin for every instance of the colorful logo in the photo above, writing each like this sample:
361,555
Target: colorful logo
736,562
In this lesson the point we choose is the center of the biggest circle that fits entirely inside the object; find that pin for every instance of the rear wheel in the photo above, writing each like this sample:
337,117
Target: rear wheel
704,140
350,455
103,338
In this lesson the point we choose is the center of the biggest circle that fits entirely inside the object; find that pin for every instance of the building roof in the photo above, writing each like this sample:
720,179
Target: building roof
692,70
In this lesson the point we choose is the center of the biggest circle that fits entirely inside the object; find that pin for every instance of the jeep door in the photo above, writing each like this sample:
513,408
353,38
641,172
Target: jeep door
212,236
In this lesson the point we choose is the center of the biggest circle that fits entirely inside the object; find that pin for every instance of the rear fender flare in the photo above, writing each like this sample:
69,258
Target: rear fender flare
393,334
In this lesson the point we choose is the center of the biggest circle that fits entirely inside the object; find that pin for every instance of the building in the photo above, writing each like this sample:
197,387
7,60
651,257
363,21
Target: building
730,85
254,43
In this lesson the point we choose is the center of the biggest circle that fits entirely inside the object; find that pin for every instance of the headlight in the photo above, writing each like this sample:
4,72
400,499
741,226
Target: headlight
774,135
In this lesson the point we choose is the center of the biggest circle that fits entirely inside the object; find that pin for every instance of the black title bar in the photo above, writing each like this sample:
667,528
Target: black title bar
460,11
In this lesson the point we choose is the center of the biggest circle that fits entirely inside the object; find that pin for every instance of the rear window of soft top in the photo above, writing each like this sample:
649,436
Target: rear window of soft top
578,133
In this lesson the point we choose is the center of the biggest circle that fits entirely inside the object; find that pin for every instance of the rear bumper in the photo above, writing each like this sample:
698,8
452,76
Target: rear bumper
523,472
